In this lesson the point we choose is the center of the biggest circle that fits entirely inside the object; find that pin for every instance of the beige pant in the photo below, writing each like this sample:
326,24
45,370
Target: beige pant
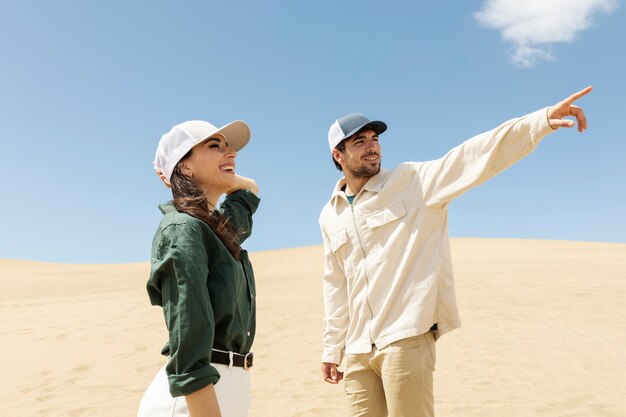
396,381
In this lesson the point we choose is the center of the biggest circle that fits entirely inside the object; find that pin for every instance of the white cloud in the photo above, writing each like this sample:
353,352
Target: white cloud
533,25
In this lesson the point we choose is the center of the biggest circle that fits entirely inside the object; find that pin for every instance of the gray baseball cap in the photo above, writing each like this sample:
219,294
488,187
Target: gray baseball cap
348,125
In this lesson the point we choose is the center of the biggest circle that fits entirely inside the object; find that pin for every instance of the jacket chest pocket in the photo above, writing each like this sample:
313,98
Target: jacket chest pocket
388,229
338,239
386,215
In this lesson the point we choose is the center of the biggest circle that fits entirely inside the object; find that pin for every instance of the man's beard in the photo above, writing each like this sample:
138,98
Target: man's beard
364,171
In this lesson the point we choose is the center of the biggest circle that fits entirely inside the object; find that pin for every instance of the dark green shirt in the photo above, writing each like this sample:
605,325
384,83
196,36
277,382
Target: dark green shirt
208,297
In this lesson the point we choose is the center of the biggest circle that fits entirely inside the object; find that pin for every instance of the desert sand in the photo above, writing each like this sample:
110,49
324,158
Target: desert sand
544,334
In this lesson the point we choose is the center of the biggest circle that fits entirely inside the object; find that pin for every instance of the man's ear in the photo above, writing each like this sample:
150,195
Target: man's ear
338,156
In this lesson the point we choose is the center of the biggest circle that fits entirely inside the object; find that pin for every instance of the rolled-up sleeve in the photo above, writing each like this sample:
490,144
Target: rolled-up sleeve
178,282
239,208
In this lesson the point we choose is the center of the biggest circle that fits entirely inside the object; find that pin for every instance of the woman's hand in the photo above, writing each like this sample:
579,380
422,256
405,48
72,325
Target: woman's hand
244,183
203,403
160,174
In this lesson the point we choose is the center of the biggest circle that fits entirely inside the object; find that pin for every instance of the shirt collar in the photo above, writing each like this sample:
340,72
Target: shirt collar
166,207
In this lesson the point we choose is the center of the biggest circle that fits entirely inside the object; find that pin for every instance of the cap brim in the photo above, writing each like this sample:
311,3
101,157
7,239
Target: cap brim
237,134
376,125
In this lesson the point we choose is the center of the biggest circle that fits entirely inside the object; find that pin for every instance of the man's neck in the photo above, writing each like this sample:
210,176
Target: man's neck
354,185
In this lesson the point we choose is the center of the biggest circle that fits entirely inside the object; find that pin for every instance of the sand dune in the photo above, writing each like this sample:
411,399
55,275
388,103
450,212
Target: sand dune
544,334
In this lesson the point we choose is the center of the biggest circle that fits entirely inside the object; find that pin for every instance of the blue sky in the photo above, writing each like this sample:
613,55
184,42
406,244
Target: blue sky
88,88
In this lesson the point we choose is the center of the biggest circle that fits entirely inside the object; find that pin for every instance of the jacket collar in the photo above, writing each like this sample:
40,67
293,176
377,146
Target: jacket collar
374,184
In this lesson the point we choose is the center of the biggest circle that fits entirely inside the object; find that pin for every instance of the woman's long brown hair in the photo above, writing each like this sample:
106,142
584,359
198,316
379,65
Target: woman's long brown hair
189,198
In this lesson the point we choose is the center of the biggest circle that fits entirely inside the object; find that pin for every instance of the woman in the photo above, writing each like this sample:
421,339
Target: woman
201,276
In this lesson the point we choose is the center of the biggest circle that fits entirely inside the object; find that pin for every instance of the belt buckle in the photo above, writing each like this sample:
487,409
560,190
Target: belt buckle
245,360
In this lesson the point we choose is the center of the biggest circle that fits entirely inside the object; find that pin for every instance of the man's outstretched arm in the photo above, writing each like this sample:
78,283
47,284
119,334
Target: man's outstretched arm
486,155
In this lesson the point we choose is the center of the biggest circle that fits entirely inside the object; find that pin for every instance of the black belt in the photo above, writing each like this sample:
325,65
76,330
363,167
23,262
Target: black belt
224,358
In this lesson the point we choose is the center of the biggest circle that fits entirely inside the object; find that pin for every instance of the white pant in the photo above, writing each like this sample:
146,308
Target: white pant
232,390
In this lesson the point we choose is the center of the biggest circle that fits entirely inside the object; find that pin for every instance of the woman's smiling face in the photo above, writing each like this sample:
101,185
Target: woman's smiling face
211,166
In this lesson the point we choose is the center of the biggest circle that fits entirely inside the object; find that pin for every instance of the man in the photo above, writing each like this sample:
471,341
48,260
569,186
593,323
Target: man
388,284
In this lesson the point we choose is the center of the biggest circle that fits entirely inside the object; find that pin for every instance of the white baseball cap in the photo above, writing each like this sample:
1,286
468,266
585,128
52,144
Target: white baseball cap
348,125
183,137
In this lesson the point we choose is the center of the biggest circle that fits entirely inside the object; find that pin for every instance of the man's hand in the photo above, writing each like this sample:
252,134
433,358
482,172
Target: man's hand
330,373
565,108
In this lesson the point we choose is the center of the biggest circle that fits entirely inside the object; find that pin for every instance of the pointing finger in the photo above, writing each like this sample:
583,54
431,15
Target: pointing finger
578,95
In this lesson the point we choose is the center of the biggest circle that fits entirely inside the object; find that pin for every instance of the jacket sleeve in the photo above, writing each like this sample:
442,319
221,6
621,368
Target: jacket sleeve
480,158
335,306
239,208
178,281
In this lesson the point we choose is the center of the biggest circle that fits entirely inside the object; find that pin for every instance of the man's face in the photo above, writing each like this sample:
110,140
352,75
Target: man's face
362,156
